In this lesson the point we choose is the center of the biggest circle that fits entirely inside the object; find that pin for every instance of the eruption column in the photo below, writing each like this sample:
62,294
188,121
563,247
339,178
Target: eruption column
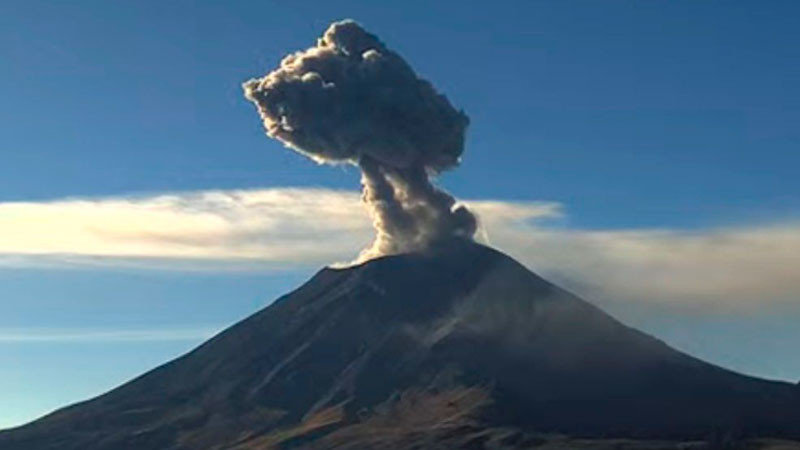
349,99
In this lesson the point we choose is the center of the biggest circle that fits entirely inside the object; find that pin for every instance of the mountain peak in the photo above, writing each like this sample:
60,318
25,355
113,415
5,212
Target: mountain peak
460,331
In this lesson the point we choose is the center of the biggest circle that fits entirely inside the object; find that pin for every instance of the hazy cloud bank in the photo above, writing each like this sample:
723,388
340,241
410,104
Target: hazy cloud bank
65,336
269,229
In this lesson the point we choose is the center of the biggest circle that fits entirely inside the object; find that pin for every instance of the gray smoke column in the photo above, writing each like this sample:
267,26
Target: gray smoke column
349,99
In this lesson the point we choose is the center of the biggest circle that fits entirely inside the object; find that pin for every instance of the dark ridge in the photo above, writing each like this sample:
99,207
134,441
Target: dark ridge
459,346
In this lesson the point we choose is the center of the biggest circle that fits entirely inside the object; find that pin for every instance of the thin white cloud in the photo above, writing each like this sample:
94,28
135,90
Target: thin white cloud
714,269
282,225
50,336
271,229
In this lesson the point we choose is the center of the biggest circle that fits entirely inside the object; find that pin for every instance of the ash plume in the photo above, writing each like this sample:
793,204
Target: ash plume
349,99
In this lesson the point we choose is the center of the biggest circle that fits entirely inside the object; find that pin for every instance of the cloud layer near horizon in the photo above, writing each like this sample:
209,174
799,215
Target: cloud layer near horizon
80,335
279,228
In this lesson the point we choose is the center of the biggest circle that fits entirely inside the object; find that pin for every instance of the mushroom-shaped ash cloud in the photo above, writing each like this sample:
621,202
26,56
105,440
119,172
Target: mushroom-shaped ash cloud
349,99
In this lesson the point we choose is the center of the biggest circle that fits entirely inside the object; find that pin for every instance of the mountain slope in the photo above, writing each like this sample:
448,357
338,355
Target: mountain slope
453,342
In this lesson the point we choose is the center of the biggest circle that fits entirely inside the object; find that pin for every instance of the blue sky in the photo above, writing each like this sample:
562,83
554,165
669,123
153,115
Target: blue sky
664,124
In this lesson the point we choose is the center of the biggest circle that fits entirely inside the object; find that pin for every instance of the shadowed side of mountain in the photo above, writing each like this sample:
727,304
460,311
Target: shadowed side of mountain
461,326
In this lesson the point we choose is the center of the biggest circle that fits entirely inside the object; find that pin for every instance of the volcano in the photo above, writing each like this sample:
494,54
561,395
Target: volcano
456,347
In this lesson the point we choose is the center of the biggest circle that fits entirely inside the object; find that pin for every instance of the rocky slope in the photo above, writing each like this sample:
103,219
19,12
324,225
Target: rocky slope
459,347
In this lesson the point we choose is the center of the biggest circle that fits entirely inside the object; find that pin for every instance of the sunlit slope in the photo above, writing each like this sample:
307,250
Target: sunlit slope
457,342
